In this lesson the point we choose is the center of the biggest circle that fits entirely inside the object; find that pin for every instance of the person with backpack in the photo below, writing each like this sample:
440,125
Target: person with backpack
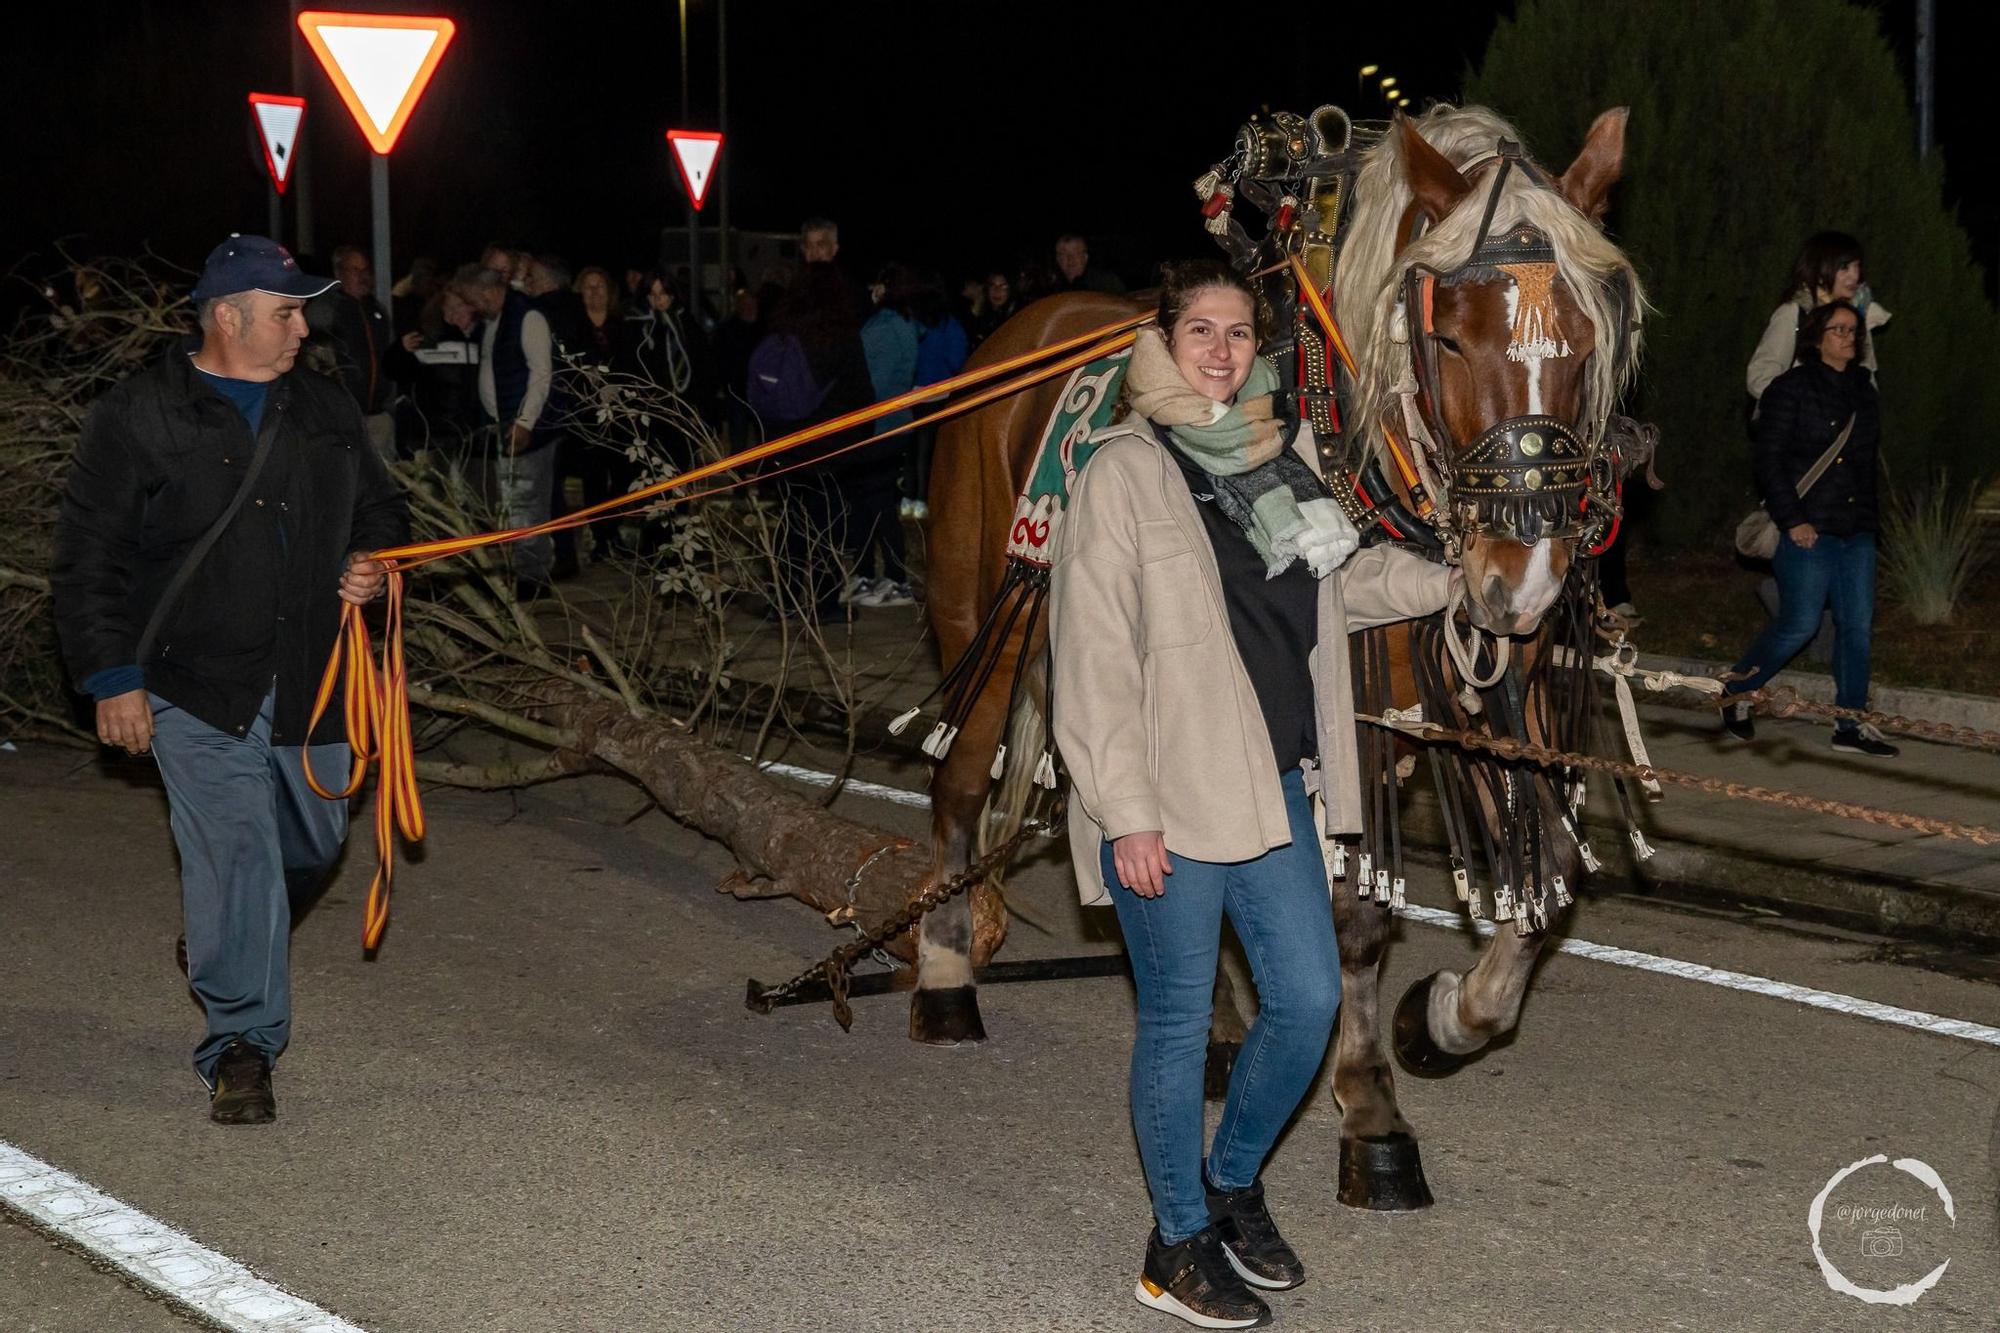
809,368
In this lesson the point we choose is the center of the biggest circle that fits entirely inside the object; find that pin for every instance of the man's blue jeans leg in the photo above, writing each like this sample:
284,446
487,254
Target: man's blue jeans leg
242,817
1282,913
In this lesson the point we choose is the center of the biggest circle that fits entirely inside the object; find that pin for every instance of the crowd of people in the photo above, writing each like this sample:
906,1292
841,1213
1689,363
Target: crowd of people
488,363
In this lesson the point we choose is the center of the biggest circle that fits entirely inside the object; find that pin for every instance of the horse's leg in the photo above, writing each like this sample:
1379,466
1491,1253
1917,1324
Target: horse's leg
945,1007
1444,1020
1447,1018
1380,1166
1227,1024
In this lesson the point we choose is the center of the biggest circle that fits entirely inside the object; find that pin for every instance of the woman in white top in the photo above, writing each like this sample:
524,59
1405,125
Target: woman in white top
1829,268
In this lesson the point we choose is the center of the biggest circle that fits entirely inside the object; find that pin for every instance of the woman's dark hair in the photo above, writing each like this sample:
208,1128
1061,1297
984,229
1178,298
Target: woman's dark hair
899,285
1181,282
1813,327
1823,255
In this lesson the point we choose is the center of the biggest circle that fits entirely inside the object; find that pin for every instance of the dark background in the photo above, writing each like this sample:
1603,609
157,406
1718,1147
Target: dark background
957,135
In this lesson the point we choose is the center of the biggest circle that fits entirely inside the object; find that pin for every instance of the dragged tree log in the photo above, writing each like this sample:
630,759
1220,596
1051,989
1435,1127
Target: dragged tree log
788,845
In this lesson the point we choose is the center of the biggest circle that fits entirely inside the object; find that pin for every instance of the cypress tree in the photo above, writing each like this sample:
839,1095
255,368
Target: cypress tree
1754,124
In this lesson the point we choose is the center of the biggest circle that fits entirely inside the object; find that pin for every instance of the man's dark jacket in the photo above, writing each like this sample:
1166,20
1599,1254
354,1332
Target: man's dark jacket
161,457
359,334
1798,418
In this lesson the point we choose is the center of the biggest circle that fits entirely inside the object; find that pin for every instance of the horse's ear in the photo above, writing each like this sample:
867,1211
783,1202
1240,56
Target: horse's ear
1587,183
1433,179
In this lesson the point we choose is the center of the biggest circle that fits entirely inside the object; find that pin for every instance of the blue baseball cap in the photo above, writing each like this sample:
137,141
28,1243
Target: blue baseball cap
254,264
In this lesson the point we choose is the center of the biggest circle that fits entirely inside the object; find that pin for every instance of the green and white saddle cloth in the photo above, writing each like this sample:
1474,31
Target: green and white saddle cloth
1088,398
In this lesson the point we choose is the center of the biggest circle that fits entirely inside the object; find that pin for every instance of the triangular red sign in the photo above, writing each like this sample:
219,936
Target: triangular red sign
695,153
379,64
278,120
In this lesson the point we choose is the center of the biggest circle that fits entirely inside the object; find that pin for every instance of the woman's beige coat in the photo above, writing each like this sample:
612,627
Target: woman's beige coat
1158,722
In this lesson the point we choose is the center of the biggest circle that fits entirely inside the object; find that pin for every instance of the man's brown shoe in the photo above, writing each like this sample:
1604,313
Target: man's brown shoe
242,1093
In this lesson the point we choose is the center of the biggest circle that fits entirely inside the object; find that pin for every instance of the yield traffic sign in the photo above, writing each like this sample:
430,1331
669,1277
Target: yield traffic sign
695,153
379,64
278,119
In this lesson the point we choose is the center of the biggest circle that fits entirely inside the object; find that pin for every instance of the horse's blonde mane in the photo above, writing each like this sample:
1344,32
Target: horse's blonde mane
1369,279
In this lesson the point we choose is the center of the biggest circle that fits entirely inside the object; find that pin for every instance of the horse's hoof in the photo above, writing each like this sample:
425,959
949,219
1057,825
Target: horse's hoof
1383,1174
1221,1064
946,1017
1411,1033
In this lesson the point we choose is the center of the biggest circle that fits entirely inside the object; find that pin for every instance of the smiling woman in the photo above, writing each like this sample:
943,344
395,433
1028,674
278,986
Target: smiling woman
1199,633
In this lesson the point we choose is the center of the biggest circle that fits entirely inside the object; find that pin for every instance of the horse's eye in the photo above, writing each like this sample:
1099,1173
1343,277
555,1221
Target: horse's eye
1444,342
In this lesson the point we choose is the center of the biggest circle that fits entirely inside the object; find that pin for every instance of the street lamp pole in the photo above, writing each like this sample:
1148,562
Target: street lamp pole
1926,72
694,229
301,168
722,127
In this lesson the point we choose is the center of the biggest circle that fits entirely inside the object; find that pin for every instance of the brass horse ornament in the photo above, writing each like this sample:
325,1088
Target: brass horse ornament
1457,330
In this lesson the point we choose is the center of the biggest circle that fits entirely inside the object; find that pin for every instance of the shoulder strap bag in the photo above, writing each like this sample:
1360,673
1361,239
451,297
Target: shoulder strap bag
1757,534
266,436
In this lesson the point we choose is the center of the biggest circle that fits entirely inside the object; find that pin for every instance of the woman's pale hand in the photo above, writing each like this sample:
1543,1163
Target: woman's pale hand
1803,536
1141,862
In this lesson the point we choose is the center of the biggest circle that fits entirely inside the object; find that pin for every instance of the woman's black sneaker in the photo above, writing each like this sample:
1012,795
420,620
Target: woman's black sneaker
1863,740
1250,1238
1739,721
1195,1281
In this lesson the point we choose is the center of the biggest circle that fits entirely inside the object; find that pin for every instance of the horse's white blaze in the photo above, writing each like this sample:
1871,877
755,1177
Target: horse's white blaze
1532,359
1539,585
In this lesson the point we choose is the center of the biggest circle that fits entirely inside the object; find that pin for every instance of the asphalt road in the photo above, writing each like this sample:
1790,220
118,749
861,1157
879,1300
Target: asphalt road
545,1107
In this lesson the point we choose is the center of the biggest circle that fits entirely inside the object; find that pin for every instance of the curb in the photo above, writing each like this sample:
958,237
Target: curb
1978,711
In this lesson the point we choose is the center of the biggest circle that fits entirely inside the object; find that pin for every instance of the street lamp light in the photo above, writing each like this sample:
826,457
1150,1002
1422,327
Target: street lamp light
1367,70
1405,102
1388,83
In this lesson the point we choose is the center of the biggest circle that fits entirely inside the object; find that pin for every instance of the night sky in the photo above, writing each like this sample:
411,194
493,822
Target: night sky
954,135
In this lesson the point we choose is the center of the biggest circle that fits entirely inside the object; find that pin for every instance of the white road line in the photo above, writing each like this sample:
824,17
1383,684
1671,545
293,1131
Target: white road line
1743,981
1603,953
160,1258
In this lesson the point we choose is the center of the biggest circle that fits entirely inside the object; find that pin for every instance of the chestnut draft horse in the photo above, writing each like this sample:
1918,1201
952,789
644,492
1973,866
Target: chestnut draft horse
1492,327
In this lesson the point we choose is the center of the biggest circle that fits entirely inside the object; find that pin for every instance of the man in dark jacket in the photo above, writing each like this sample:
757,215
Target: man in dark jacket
358,333
216,516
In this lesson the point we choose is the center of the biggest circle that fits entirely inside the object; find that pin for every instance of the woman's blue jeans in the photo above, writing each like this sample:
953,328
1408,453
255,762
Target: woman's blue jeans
1837,572
1282,913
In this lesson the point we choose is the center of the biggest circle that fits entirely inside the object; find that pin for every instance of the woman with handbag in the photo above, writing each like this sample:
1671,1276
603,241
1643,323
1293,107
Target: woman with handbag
1819,428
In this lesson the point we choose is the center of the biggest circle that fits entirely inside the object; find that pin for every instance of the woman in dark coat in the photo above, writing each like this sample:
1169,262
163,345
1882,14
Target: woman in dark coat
1826,537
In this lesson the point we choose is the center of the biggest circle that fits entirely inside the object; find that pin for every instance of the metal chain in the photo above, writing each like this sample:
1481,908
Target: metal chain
1508,747
1784,701
833,968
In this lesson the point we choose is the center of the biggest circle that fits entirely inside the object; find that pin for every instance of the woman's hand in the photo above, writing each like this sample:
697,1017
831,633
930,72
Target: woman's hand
1141,862
1803,536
